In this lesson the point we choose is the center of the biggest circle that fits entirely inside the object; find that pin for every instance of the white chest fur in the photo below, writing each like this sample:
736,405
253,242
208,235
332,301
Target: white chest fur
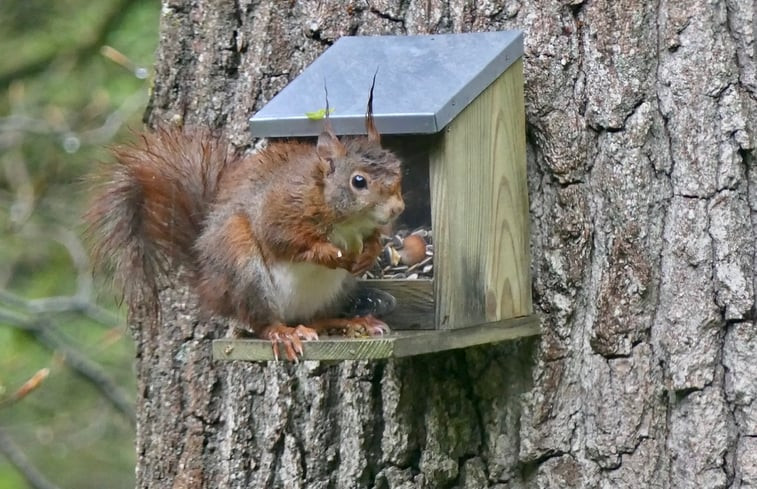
304,289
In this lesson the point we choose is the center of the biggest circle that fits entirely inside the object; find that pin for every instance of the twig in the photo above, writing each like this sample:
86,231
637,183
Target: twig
24,123
89,370
19,460
73,244
76,361
116,119
13,318
30,385
81,51
14,127
82,301
58,304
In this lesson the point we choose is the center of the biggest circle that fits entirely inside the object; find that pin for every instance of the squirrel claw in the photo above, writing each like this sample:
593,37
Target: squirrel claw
291,338
373,326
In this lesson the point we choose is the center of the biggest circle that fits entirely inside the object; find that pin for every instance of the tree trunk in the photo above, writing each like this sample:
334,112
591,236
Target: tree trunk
644,209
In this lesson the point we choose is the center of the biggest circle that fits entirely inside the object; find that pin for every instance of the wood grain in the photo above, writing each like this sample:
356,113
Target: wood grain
479,207
397,344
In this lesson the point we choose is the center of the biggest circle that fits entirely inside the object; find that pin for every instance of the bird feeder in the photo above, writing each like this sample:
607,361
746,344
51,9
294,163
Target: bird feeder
451,107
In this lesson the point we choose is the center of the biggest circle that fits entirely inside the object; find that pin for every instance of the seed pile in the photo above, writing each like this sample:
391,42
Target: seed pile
408,254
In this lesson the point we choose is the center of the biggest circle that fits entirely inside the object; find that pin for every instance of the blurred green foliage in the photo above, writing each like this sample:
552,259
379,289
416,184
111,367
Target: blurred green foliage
72,80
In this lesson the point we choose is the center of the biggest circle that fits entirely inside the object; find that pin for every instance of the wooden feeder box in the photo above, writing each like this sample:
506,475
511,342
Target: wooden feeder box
451,107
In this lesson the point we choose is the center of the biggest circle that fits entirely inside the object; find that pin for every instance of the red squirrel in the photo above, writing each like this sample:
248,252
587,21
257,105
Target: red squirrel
269,239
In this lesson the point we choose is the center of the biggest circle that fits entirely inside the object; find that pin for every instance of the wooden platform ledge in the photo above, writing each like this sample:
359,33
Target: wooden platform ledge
398,344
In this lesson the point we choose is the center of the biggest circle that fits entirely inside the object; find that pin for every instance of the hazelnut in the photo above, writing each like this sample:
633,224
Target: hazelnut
413,250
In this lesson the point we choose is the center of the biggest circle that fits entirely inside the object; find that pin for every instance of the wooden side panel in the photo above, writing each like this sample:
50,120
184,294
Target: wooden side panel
479,208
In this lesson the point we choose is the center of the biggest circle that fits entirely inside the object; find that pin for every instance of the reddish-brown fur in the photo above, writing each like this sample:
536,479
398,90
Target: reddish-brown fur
184,198
152,202
240,238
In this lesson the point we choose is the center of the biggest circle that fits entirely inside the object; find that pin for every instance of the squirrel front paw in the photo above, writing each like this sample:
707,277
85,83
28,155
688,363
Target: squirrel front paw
327,255
367,258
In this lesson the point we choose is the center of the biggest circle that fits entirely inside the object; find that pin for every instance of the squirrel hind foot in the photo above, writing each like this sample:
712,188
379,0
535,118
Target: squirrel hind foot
352,327
290,337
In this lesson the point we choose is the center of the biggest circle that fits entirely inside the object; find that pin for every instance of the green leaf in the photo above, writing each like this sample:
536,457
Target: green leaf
318,114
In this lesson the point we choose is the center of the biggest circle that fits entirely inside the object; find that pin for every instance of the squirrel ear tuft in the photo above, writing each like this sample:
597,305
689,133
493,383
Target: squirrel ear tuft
370,126
329,146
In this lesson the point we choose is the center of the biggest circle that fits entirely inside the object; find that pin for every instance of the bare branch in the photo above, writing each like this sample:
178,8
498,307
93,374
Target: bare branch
115,119
73,244
17,174
59,304
82,51
15,127
13,318
21,462
87,369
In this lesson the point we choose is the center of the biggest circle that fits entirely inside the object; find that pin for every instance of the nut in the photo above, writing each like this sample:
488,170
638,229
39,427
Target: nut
413,250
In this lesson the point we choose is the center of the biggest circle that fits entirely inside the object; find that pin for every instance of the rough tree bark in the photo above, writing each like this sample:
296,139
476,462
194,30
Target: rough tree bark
644,209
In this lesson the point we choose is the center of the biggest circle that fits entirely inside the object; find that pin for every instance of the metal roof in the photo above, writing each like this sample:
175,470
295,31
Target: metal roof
423,82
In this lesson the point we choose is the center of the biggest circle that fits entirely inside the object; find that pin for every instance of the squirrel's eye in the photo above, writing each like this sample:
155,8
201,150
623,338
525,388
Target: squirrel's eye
359,182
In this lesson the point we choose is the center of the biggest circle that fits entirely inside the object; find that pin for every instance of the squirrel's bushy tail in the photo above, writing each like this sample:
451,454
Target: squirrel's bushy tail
150,205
